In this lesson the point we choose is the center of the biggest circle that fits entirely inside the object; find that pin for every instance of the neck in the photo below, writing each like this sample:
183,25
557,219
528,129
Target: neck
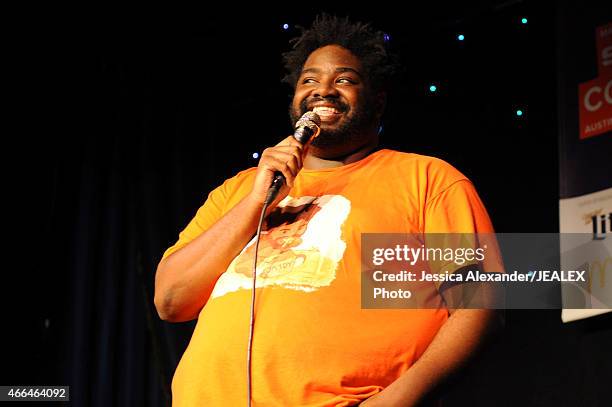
318,159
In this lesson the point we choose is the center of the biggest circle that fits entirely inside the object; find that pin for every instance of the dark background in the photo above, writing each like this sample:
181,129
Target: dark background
127,119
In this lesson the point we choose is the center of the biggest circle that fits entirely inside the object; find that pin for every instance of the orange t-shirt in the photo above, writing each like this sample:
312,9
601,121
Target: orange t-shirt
313,344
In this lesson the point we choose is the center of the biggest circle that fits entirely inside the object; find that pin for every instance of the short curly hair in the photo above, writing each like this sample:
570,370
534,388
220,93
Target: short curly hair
367,44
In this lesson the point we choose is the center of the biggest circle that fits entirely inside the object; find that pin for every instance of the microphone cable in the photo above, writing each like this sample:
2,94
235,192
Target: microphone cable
252,317
307,128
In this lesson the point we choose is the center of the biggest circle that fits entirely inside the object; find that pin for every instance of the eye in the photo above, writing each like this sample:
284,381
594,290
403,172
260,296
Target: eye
308,80
346,80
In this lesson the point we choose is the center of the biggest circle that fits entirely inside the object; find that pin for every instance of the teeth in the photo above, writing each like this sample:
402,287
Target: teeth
325,110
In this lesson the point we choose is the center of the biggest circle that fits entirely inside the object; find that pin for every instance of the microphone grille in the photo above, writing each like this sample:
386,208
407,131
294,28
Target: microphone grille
309,119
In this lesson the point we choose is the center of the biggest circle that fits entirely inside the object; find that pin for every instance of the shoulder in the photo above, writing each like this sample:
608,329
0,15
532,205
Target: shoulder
233,188
433,171
242,178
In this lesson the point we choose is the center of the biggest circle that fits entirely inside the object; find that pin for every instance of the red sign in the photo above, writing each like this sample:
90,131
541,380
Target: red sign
595,96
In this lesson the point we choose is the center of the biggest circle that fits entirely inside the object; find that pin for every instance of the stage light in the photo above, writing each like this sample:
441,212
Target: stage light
386,37
461,37
285,26
524,20
255,156
433,88
519,112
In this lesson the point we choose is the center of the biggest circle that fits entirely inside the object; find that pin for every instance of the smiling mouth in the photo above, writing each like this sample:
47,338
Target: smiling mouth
327,114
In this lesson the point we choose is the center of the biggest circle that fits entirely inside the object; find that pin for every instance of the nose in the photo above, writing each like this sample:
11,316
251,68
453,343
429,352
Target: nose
325,88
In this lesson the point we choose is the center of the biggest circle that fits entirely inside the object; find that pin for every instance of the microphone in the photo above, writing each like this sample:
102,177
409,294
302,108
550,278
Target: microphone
306,127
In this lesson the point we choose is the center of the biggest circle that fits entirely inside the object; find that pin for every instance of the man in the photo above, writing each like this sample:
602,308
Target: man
313,344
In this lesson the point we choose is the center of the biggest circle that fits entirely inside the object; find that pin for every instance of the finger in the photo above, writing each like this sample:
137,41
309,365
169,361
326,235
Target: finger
276,159
291,160
290,141
278,164
295,151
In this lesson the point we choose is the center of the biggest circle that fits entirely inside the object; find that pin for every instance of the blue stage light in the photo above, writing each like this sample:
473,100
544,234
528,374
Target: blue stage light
461,37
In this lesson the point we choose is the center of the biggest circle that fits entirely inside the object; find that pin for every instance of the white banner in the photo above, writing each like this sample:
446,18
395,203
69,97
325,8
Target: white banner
591,213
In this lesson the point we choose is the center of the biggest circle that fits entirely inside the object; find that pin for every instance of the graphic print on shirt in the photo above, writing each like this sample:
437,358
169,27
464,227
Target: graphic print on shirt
300,247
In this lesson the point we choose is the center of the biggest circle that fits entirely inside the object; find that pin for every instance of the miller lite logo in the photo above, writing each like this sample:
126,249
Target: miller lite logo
602,224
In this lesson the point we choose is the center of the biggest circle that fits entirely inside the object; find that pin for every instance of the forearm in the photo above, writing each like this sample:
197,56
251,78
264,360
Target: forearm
455,342
185,279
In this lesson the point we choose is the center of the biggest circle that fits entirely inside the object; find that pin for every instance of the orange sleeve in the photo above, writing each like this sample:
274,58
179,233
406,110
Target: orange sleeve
219,201
457,209
205,217
456,220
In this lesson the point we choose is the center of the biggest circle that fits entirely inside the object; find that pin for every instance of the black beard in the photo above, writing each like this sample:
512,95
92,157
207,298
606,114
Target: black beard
357,122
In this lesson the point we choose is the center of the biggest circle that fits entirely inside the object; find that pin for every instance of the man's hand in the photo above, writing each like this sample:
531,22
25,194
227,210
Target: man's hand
286,158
